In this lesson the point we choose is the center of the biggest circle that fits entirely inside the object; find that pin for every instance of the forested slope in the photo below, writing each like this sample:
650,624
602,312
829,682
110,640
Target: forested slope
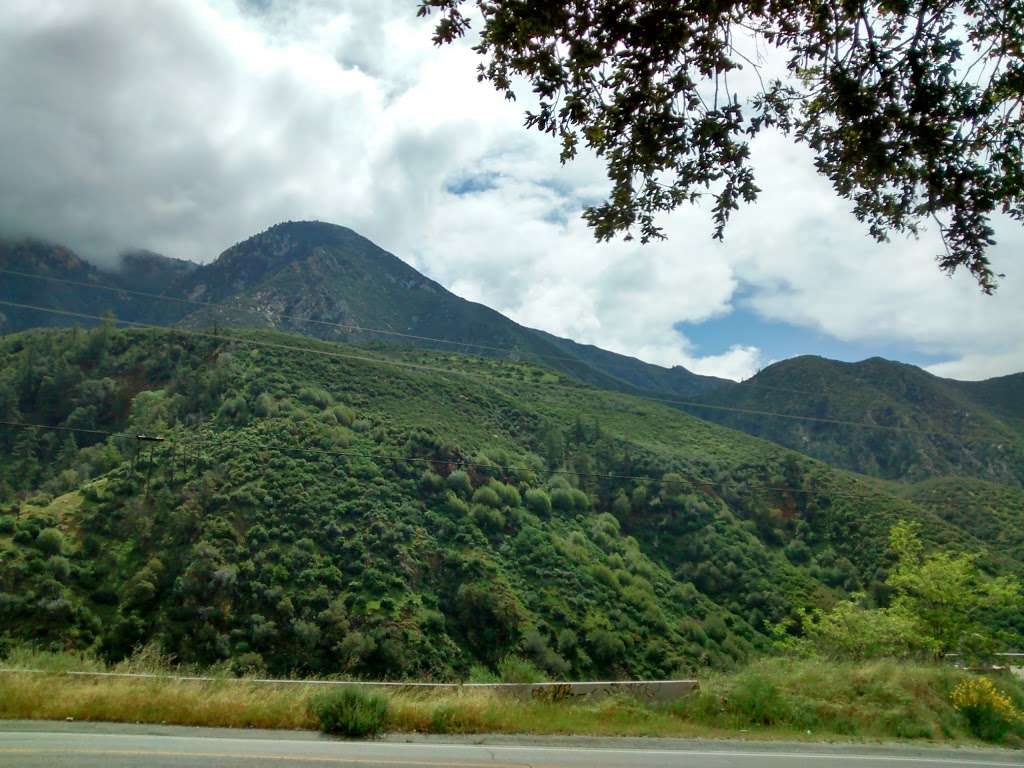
320,508
882,418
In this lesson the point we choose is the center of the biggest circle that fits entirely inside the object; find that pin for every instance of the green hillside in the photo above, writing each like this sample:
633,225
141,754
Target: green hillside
316,508
328,282
992,512
925,426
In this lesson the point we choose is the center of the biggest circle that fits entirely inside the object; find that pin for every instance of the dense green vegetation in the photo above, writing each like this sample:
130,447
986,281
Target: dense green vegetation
319,509
326,281
993,512
926,426
940,604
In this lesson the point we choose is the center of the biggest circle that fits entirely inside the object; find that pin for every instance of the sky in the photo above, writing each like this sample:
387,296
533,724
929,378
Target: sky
185,126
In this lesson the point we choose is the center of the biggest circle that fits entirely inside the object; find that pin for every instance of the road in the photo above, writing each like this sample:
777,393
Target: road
92,746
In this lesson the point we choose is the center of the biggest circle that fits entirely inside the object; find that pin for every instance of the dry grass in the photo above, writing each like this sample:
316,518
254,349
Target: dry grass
220,703
775,698
242,704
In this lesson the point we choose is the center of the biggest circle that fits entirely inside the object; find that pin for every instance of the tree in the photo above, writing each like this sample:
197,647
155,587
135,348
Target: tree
947,595
851,632
912,108
943,604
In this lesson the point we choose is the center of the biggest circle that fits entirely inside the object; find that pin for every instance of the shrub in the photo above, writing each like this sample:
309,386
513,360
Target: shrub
22,536
265,405
797,552
431,482
487,496
459,482
538,501
344,415
50,541
488,518
854,633
509,495
605,644
512,669
59,567
989,712
350,712
316,396
580,500
478,673
234,410
250,663
561,499
454,506
757,700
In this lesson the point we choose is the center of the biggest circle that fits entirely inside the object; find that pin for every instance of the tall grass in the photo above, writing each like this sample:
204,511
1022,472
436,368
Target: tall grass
772,698
876,699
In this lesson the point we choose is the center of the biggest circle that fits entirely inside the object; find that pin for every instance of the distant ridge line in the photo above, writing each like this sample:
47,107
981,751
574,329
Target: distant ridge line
352,328
400,363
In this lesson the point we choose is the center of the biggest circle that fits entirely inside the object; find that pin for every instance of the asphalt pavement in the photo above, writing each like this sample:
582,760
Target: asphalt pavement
87,745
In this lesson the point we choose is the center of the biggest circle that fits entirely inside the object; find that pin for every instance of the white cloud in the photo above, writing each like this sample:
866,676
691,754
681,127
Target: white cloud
738,362
183,126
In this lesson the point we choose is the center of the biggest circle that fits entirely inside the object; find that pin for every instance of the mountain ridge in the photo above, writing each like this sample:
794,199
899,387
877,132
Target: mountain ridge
923,425
257,282
329,282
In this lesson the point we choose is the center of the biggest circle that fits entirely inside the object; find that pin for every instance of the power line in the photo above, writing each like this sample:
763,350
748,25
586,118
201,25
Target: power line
242,340
347,327
492,379
350,328
377,458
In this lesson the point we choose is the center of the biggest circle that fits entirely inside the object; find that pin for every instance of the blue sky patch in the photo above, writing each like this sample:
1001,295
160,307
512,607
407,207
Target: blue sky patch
471,183
778,340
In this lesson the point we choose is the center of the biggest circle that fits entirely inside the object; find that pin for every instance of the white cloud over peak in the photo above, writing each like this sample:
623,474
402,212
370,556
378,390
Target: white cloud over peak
183,126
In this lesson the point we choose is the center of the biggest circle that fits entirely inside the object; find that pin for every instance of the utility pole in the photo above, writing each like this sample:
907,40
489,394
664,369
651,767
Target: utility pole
149,467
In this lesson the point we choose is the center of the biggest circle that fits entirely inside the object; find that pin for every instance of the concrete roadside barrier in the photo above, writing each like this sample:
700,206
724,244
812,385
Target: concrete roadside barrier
653,690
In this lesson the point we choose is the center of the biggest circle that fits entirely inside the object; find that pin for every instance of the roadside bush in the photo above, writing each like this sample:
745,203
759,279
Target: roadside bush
350,712
478,673
989,712
756,700
512,669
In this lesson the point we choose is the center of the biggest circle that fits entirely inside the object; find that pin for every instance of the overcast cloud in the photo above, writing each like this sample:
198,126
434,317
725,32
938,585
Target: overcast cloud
184,126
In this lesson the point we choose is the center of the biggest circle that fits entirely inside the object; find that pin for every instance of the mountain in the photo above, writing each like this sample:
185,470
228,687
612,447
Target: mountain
76,287
311,277
319,280
927,426
315,507
147,271
328,282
